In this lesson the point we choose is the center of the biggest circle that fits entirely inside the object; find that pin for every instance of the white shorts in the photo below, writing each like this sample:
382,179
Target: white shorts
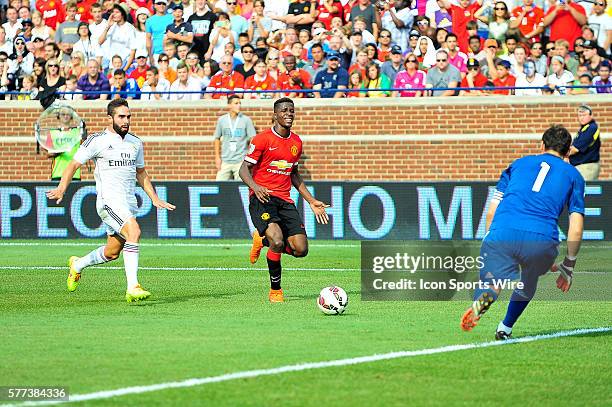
115,216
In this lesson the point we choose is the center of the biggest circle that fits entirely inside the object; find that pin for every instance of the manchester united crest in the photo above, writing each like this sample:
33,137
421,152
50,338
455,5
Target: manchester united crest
294,150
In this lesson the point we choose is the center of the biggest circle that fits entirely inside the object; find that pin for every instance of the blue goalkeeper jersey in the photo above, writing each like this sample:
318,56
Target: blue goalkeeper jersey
533,192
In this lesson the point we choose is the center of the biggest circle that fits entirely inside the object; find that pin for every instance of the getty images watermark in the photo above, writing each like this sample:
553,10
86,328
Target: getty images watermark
450,270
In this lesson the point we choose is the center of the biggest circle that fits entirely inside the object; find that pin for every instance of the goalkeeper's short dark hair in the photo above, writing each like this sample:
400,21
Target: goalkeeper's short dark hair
558,139
114,104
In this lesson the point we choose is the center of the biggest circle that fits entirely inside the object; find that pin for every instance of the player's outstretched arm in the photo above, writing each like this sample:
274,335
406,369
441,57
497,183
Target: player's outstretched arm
318,207
58,193
245,173
145,182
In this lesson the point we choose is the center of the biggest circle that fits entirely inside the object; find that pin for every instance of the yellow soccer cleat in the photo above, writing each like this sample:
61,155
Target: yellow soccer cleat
276,296
256,248
136,293
73,277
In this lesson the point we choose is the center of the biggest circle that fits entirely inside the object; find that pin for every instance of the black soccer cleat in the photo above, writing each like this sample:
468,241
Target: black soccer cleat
502,336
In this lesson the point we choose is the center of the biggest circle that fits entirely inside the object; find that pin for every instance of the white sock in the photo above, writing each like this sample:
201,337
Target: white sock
93,258
130,260
502,327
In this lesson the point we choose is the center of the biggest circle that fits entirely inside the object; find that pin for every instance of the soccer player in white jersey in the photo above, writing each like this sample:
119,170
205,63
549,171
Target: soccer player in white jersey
119,159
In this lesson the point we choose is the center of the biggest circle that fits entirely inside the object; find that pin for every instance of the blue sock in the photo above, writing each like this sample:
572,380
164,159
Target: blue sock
515,309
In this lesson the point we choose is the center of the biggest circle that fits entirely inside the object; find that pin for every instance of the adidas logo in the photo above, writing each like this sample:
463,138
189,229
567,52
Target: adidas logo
110,147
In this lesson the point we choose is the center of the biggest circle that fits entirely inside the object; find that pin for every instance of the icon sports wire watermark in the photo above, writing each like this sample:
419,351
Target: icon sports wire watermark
451,270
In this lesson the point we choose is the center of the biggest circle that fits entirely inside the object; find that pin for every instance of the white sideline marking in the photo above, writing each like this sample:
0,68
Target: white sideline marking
308,366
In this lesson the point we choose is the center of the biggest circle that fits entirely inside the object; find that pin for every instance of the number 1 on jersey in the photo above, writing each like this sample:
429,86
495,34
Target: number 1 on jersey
537,185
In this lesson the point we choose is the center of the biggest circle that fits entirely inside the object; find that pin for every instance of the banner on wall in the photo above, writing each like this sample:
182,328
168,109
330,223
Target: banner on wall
380,210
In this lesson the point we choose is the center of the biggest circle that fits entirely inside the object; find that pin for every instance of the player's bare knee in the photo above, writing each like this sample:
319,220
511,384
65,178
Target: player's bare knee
276,245
300,252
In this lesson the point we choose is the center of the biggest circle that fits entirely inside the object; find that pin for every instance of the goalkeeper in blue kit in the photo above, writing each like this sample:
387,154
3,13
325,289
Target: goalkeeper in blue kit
522,233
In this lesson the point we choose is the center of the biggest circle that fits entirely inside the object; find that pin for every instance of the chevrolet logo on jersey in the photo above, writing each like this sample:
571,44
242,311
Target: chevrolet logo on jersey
281,164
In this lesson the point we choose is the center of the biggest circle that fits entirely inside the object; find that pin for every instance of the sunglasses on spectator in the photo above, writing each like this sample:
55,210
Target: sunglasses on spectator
578,44
537,48
473,68
492,46
273,59
500,8
53,66
226,63
37,40
385,36
414,61
192,58
231,3
423,23
600,4
19,43
548,49
441,60
247,52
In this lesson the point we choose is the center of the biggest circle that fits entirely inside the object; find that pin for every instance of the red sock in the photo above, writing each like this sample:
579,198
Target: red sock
273,255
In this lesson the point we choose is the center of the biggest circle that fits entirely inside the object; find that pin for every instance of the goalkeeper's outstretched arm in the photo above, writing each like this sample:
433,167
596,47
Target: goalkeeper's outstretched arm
58,193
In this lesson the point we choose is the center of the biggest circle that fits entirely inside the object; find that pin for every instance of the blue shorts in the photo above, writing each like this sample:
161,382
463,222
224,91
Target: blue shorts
513,254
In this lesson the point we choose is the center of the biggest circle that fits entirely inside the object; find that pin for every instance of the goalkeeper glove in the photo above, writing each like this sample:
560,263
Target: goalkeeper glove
566,268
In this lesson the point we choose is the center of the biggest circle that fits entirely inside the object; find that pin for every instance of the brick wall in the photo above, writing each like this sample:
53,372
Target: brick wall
357,139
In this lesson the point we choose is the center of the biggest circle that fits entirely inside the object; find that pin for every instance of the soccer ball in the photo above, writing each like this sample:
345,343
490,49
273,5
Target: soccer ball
332,300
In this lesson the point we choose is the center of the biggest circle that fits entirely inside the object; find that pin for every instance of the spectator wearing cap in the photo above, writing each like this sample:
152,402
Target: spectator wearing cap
90,49
487,66
226,79
364,10
426,53
461,14
398,21
66,35
26,32
455,57
530,79
38,47
410,78
139,74
601,22
584,151
528,18
503,78
413,41
443,75
156,26
473,79
119,37
93,80
603,79
392,67
124,87
591,58
318,63
154,83
384,45
179,32
334,77
565,19
560,77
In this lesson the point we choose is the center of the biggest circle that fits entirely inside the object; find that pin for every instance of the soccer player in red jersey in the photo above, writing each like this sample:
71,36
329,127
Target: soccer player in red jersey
270,168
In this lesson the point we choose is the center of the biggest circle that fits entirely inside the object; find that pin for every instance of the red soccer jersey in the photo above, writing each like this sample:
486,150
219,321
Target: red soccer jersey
531,21
564,26
275,158
83,10
226,82
509,81
461,16
252,83
285,84
52,12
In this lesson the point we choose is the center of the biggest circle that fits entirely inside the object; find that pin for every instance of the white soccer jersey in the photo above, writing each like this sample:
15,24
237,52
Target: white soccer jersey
116,160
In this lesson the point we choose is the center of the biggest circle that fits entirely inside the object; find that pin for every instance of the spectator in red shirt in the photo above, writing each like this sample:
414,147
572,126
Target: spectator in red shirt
259,81
294,78
52,12
473,79
360,62
565,20
327,10
529,20
140,73
461,14
225,79
503,78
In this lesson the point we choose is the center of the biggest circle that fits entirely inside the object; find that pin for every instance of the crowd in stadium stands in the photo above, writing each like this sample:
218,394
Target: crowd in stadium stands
348,48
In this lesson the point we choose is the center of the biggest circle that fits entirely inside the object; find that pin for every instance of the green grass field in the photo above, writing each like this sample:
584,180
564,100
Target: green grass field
209,316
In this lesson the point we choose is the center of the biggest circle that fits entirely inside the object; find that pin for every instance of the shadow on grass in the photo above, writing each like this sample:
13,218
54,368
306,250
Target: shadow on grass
184,298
